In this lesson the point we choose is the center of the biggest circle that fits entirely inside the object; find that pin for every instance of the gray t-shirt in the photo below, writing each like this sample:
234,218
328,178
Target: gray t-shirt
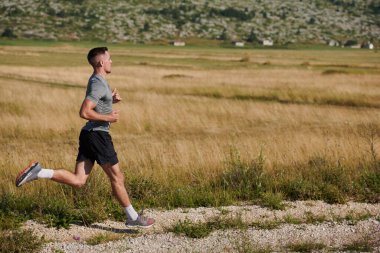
99,92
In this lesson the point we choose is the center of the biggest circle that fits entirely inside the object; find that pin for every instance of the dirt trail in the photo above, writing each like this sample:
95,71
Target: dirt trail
312,223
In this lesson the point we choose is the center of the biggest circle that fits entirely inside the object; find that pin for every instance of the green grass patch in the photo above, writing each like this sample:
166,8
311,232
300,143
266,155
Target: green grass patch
359,246
203,229
306,247
12,241
58,214
192,230
322,179
266,224
67,207
272,200
311,218
292,220
368,185
10,221
101,238
334,72
242,244
353,218
194,195
247,180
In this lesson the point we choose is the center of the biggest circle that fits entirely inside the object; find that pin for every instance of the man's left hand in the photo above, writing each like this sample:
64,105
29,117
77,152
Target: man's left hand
115,96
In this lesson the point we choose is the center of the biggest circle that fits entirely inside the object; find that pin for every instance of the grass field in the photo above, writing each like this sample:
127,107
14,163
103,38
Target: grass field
199,126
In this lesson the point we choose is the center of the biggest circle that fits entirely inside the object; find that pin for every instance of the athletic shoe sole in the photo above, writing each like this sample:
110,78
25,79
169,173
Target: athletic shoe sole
23,176
138,226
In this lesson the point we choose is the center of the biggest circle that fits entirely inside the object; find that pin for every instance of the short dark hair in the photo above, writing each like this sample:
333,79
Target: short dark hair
95,52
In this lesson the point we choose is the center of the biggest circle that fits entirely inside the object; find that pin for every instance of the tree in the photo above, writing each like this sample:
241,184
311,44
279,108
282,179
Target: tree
252,37
350,43
374,7
311,21
224,35
146,27
8,33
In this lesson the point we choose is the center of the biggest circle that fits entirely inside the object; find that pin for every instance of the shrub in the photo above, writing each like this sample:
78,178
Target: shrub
350,43
246,179
266,224
306,247
9,222
332,195
243,244
20,241
314,219
292,220
368,186
272,200
58,214
195,196
8,33
203,229
13,204
142,188
192,230
359,246
300,189
103,238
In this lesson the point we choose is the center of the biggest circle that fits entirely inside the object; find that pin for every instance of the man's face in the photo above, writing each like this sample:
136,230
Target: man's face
107,62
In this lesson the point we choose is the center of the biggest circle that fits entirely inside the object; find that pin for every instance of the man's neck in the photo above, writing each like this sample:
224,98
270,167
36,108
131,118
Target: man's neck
100,72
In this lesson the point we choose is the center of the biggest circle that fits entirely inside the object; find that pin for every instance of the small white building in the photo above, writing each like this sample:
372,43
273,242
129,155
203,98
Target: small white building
368,45
178,43
239,43
268,42
333,43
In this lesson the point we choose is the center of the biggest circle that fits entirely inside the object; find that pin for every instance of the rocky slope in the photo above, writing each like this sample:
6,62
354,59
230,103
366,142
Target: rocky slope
315,21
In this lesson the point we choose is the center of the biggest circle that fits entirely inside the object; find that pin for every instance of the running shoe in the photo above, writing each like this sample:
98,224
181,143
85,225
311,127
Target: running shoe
28,174
140,222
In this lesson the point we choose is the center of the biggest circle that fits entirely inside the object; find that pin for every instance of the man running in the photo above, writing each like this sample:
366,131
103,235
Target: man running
95,142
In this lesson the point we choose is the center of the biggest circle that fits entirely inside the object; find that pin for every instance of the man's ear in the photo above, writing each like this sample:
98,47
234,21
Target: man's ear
99,61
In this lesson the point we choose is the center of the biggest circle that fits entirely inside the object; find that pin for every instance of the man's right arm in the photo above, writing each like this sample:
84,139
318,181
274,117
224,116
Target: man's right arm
87,111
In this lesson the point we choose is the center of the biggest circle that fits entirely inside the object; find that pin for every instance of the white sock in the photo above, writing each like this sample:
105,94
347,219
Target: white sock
131,213
45,173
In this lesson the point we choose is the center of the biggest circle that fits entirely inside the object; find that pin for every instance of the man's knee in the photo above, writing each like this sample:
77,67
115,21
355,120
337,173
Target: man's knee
80,182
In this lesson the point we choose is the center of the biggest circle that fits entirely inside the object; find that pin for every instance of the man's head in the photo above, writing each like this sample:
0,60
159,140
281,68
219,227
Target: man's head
100,58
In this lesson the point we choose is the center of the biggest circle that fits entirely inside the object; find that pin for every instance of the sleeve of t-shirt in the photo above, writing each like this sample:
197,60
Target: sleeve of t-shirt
95,91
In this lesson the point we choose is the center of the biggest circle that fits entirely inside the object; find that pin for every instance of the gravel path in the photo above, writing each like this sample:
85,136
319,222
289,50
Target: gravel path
310,222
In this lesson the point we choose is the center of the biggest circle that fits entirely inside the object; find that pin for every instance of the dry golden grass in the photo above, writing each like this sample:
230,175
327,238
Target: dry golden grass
183,121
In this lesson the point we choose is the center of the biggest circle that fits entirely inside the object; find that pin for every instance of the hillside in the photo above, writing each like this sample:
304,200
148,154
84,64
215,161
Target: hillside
301,21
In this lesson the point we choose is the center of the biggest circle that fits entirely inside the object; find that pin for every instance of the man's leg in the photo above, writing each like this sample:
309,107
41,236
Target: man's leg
116,177
35,171
117,183
76,179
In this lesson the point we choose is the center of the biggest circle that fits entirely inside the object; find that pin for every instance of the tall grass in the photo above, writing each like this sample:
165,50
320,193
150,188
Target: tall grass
191,135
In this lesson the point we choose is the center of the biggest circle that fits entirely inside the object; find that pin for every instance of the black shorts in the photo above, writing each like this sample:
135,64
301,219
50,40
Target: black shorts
96,146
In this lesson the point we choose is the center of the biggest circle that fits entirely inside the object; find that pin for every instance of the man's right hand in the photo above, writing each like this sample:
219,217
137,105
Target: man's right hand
87,112
114,116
